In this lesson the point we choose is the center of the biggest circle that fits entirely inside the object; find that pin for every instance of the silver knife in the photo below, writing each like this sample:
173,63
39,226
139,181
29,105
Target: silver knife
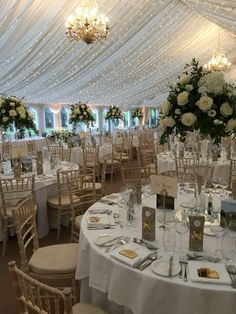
112,241
170,265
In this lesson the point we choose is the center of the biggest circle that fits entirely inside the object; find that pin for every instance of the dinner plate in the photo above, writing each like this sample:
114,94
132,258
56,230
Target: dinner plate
161,267
217,267
100,240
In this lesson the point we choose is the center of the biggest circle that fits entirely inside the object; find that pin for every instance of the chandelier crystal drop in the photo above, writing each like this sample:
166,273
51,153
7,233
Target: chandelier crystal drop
218,62
87,24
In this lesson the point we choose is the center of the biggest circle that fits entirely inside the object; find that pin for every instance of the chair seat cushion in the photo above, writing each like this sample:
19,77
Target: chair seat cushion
54,259
80,308
53,201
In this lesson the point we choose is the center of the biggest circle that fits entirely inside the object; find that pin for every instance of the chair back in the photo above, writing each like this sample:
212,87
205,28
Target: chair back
36,297
24,217
31,145
59,152
134,174
232,172
13,191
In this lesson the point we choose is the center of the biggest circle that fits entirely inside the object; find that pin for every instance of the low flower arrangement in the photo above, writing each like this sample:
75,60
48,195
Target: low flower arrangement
137,113
81,113
61,135
200,101
114,113
13,111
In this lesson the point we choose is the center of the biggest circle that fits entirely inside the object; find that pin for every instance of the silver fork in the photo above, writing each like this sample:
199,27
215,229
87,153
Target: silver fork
119,242
232,274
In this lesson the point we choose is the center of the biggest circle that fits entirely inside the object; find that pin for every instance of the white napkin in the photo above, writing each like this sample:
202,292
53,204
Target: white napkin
103,220
141,251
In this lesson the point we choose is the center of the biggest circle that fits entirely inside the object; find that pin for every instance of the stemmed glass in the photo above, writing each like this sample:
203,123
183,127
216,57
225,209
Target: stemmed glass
215,183
218,226
145,186
27,164
169,239
181,227
229,241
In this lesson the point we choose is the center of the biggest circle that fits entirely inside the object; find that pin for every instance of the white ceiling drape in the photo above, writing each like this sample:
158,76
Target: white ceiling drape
148,45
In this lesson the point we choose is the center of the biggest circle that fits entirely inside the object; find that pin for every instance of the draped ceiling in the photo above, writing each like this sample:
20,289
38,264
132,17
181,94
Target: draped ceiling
149,43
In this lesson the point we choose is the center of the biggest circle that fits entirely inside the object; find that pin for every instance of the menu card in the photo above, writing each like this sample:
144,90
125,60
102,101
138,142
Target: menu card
16,168
148,223
39,163
196,227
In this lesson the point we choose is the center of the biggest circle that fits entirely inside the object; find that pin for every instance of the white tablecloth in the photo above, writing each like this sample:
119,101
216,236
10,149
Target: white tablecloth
45,186
40,142
167,163
120,289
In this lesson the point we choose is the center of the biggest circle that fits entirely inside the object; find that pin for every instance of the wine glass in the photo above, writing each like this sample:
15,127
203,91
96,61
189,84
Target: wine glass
27,164
181,226
145,185
169,239
223,184
218,226
215,183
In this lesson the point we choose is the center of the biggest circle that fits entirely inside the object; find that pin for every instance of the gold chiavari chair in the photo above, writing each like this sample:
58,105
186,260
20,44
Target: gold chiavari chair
54,262
63,203
31,145
134,174
12,192
232,172
114,161
36,297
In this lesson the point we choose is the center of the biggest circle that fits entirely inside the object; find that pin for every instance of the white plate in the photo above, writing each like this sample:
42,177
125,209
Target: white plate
220,268
161,267
102,239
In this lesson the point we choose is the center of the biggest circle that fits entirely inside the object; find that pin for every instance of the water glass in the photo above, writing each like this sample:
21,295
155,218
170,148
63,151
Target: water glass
218,226
181,227
169,239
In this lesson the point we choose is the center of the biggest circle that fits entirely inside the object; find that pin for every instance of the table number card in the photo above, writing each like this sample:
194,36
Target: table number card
16,168
196,227
148,223
39,163
166,189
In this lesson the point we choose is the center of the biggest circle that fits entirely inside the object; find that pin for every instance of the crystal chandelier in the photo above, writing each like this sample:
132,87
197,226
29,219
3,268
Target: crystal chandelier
87,23
218,62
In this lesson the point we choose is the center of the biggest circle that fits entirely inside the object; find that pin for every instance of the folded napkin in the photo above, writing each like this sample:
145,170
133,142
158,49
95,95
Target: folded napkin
141,252
98,220
99,210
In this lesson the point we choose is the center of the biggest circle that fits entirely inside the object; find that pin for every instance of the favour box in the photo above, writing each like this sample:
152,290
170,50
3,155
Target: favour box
228,209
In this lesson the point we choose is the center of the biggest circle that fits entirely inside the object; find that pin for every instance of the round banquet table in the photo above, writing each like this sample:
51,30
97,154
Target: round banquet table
165,162
40,142
120,289
45,186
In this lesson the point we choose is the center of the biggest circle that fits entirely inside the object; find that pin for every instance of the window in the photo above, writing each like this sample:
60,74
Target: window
64,118
105,126
49,120
154,117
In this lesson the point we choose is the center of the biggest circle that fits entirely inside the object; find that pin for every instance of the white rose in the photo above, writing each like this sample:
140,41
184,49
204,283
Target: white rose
12,113
5,119
162,125
165,108
211,113
184,79
225,109
205,103
188,119
168,121
189,87
22,115
13,98
85,113
12,104
73,116
182,98
231,125
82,106
81,117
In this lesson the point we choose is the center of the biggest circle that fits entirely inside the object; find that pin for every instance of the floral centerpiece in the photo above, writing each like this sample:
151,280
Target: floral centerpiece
137,114
200,101
81,113
13,111
61,135
114,113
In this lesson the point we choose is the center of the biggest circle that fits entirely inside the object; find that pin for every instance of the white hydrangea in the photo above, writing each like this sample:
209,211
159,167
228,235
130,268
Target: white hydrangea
189,87
213,82
12,113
